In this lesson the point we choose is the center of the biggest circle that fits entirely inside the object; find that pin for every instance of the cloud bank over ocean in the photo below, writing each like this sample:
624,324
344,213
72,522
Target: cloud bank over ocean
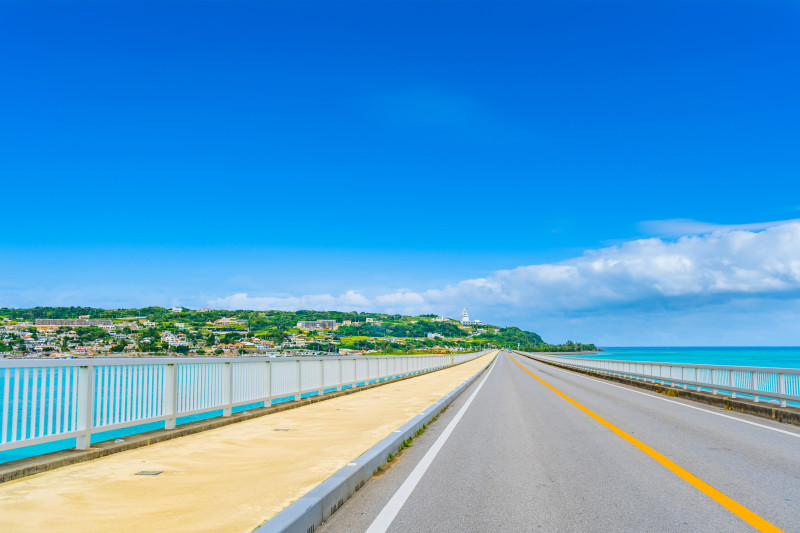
715,265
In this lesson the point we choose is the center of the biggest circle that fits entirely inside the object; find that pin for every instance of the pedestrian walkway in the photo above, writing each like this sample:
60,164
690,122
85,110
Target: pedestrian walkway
227,479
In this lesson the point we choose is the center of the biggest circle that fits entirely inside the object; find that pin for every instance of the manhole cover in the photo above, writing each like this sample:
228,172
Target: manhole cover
149,473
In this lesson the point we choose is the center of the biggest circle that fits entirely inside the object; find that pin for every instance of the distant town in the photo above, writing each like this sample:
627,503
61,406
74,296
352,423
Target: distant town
66,332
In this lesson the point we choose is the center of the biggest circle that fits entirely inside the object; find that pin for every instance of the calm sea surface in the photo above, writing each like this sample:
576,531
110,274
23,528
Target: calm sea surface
781,357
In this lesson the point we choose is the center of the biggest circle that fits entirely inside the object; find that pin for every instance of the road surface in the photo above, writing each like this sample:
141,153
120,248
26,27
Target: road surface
513,454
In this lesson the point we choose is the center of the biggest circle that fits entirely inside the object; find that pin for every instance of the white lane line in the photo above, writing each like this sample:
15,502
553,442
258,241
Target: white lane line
656,397
393,506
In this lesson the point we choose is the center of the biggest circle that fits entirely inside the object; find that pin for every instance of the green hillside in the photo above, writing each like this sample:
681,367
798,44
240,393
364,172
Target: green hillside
205,331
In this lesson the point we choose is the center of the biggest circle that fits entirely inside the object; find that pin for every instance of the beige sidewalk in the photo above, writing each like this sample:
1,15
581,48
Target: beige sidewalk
227,479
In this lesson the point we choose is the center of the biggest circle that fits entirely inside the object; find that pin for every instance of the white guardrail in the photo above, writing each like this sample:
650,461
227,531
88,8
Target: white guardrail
765,383
49,400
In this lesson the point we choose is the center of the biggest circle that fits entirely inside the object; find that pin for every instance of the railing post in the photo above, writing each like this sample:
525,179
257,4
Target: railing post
713,382
299,382
321,377
268,399
754,386
683,377
85,407
227,388
339,383
782,388
733,383
170,396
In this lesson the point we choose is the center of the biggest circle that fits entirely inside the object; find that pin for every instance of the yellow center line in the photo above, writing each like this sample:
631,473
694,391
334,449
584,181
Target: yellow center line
736,508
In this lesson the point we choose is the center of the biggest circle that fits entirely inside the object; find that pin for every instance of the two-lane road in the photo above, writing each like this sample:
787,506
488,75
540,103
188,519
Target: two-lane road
534,448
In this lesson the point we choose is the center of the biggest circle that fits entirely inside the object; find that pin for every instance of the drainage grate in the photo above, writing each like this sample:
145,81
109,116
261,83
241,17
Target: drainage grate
149,473
281,429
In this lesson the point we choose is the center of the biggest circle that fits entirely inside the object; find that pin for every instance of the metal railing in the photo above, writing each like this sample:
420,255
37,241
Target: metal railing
43,401
759,383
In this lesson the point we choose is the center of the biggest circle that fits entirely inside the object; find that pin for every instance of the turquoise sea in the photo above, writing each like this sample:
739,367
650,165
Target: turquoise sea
779,357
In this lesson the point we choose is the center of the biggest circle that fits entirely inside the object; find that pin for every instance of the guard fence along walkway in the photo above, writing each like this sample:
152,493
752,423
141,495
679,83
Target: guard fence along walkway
776,385
45,401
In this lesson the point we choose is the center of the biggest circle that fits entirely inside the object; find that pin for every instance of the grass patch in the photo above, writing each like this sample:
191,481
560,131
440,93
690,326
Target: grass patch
407,442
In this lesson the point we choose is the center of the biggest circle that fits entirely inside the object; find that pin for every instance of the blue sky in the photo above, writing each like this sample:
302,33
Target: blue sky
158,153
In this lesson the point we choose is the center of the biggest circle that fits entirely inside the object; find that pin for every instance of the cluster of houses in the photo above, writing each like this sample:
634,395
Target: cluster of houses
52,338
60,337
47,337
251,346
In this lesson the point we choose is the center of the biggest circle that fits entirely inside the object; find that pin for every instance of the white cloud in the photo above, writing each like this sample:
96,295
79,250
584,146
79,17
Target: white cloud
349,301
681,226
725,263
759,260
403,302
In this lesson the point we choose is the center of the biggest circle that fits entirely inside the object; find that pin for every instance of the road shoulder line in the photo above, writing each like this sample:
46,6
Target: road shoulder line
393,506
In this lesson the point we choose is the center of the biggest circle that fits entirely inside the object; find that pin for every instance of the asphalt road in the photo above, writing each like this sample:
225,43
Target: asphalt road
521,457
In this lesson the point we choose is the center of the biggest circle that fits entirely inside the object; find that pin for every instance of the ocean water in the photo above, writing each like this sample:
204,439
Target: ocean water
766,356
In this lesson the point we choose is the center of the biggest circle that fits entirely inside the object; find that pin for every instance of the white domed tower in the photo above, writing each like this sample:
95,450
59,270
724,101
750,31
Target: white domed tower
464,316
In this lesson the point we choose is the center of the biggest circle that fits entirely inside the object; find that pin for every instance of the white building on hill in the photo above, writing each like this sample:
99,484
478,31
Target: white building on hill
466,321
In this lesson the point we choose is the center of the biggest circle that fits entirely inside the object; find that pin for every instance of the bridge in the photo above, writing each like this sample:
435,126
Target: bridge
526,443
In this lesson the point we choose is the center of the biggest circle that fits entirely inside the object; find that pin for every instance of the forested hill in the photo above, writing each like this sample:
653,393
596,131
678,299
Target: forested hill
363,331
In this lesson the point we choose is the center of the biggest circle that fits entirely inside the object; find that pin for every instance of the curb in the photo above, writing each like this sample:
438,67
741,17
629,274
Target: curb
786,415
29,466
311,510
